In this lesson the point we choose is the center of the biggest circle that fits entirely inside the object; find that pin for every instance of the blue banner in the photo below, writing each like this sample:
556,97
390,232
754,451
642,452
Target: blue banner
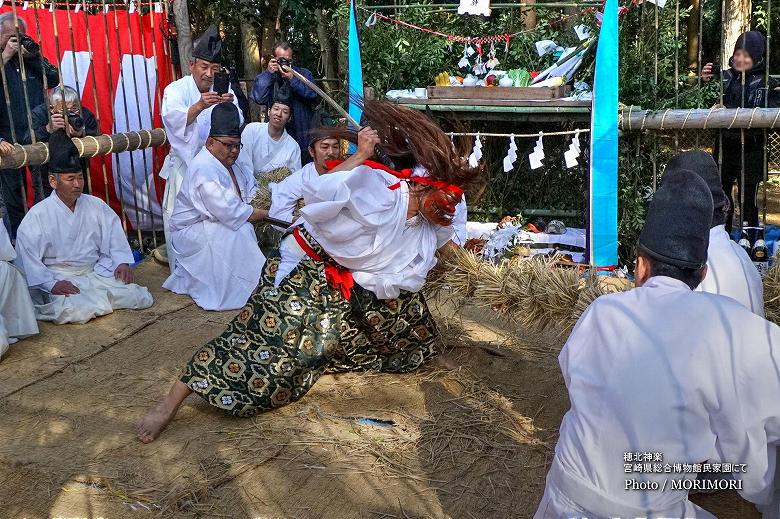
355,71
603,183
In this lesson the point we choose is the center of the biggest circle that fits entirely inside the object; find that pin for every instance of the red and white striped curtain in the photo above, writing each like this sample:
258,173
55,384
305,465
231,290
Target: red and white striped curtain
119,61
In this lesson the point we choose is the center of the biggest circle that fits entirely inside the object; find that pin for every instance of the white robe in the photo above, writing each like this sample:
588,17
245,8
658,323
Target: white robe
84,246
661,368
362,225
17,315
264,154
186,140
218,262
731,273
285,194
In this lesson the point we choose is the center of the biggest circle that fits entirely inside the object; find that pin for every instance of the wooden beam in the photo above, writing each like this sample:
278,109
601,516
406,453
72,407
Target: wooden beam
38,153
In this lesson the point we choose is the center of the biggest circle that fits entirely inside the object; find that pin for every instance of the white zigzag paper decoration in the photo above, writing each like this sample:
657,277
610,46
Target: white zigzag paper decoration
511,155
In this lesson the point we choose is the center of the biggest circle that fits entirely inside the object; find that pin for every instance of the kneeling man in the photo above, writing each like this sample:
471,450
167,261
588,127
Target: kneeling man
17,316
730,272
691,376
72,249
218,262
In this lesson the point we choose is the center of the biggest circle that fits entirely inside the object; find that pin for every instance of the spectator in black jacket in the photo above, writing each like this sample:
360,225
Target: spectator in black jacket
749,59
23,97
48,117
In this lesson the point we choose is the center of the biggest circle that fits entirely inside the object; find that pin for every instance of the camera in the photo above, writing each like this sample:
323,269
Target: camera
283,62
221,82
76,121
30,45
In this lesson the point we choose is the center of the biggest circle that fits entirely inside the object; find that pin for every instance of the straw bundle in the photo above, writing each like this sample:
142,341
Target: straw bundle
535,292
262,199
772,293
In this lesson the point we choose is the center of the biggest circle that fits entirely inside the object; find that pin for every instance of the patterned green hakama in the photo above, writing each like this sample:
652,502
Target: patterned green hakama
277,347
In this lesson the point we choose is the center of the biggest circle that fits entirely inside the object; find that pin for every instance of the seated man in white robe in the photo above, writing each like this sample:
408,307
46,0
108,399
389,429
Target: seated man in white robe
72,249
186,115
691,376
730,272
268,146
17,315
286,194
218,262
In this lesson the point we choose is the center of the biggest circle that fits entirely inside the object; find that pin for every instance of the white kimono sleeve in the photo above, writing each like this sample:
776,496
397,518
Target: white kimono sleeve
294,164
284,197
345,206
746,409
182,137
7,252
114,247
224,205
30,246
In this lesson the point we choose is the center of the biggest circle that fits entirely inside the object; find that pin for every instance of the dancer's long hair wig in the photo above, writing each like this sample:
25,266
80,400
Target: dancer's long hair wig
409,138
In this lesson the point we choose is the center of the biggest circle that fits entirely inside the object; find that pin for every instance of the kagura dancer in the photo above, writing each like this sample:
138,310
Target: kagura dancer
343,294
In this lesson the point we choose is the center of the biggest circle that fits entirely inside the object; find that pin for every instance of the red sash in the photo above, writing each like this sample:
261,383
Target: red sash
337,276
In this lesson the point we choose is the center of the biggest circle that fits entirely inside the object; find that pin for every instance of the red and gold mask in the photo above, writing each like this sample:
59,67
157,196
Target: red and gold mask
438,206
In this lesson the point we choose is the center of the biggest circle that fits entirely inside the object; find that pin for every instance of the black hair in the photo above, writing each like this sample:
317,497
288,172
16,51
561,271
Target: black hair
689,276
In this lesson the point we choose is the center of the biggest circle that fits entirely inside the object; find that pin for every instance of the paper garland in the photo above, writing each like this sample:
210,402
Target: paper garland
535,158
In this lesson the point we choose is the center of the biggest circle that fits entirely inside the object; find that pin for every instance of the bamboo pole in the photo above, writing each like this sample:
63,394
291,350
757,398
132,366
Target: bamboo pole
698,119
37,154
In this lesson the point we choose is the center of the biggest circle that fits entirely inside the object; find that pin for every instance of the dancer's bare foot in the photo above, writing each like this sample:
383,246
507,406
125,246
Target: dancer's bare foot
157,419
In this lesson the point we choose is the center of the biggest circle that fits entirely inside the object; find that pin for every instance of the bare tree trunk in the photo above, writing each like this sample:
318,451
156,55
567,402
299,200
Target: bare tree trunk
270,20
735,22
530,18
342,29
326,51
252,57
184,35
692,59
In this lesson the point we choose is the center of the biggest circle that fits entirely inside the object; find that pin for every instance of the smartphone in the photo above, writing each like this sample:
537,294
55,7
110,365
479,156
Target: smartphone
221,82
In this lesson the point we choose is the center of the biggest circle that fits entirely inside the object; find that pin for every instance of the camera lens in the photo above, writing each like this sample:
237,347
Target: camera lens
29,44
76,122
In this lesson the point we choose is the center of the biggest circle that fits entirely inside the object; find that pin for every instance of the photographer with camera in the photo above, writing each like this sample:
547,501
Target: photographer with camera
62,112
277,83
19,51
186,115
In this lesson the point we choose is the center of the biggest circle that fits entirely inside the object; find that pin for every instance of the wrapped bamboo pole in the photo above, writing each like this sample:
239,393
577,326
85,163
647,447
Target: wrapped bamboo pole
36,154
634,119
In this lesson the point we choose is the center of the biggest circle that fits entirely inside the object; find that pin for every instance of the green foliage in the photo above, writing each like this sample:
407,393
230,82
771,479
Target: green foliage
396,57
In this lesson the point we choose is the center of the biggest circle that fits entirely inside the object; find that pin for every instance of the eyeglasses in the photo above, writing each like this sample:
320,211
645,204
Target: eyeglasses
230,147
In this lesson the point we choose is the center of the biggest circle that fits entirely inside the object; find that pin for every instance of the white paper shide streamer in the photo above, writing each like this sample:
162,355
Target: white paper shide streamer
476,153
536,157
511,155
573,152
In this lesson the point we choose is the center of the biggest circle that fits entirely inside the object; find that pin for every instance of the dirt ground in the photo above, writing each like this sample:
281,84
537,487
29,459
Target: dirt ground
470,442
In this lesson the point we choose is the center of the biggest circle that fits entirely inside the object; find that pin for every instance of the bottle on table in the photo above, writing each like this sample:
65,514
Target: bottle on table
760,253
744,240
